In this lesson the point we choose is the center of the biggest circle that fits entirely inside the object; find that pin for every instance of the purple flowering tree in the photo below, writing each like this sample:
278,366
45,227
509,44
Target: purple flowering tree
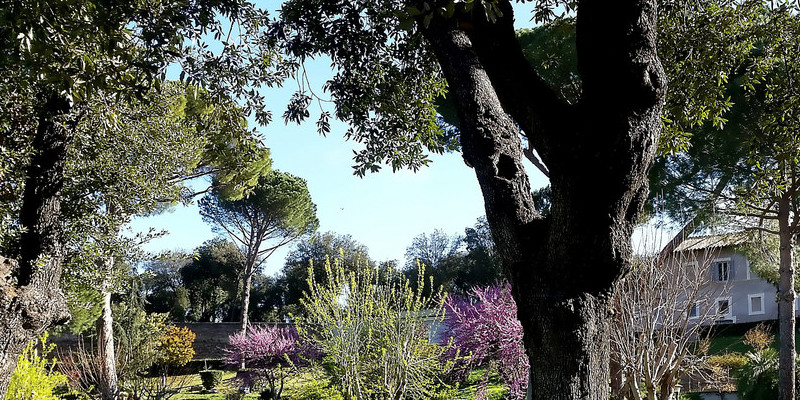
273,352
486,333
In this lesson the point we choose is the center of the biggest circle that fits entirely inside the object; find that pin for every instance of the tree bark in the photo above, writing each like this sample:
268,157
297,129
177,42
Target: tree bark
251,259
30,297
105,338
562,268
248,282
786,296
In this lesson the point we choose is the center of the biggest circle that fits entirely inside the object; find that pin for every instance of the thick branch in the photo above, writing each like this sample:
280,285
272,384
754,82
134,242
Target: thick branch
616,54
41,207
490,142
533,104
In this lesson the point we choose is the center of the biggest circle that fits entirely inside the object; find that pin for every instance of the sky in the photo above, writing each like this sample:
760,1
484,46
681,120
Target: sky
383,211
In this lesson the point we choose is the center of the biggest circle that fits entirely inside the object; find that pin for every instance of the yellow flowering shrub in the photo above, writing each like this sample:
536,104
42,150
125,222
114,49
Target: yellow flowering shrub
35,376
176,346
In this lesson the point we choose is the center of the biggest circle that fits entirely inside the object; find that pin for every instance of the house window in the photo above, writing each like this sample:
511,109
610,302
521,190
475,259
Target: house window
724,307
722,271
694,312
755,303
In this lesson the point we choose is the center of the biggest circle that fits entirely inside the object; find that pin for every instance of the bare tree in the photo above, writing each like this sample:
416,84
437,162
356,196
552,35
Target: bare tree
660,310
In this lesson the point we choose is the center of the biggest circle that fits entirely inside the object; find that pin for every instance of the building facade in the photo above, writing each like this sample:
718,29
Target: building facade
731,292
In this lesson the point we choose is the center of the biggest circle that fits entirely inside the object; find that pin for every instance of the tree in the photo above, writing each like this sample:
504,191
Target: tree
58,55
658,332
774,153
433,251
266,298
480,265
752,184
278,211
456,264
145,158
562,267
163,286
485,332
212,280
275,352
315,250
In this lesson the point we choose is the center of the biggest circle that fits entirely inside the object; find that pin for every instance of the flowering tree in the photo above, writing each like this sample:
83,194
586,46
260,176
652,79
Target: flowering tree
275,352
486,332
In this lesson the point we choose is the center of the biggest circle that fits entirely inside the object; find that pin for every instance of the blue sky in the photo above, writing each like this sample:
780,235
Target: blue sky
384,211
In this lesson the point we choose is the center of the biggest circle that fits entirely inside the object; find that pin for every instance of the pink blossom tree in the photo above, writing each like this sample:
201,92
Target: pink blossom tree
485,332
273,352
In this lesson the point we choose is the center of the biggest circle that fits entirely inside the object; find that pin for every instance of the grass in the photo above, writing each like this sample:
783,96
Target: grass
734,343
310,379
495,389
194,389
728,344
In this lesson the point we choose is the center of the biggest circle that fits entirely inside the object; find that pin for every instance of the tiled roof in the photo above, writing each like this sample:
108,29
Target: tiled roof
710,242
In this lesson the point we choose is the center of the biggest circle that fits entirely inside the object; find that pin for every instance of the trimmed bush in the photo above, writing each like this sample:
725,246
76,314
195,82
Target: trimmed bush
730,361
211,378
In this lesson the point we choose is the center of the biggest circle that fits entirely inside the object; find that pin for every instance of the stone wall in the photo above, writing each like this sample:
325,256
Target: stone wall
209,344
213,337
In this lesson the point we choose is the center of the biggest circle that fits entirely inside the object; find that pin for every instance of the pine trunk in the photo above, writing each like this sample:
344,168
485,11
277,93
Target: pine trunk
786,296
248,282
30,297
562,268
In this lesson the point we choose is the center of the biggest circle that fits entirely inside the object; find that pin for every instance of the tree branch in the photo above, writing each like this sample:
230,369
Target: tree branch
492,145
533,104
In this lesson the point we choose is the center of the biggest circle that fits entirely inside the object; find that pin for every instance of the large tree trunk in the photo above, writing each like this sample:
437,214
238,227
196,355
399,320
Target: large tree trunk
562,268
786,296
30,298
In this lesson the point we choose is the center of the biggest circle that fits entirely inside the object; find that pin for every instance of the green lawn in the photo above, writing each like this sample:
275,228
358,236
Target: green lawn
311,379
728,344
734,343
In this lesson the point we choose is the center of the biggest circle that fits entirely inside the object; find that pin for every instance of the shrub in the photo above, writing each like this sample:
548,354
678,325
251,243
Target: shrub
136,335
175,346
729,361
372,328
211,378
758,377
759,337
486,333
35,377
